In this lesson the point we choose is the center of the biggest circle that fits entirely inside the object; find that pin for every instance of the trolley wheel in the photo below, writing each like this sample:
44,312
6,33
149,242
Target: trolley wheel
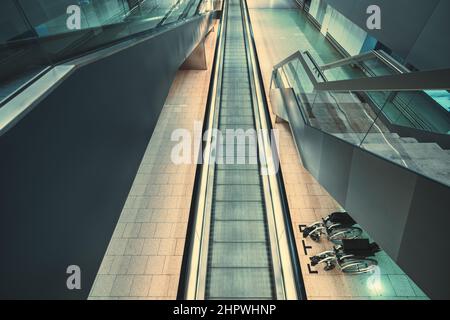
329,267
315,237
358,266
338,235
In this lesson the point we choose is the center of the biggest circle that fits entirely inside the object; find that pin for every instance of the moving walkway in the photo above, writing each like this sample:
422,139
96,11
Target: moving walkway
241,244
239,257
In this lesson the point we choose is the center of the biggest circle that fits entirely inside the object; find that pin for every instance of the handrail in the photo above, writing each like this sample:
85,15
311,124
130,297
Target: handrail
316,66
409,114
412,81
288,59
348,60
378,54
24,102
389,61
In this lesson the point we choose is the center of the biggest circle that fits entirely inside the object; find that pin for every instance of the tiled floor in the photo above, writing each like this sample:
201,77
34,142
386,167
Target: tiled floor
143,260
308,201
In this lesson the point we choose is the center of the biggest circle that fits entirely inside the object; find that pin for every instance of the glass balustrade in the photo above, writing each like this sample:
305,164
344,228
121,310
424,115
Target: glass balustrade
409,128
35,34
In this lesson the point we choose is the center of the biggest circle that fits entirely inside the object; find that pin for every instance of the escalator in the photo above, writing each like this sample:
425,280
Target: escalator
242,251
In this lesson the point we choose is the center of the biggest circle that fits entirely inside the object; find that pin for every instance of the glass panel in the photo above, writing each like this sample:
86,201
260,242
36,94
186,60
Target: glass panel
21,57
178,10
345,115
422,112
38,33
375,68
413,109
194,7
415,134
303,87
298,77
344,73
427,158
51,17
371,67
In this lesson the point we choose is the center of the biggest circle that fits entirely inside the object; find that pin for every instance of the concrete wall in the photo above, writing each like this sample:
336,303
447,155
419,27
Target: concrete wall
414,29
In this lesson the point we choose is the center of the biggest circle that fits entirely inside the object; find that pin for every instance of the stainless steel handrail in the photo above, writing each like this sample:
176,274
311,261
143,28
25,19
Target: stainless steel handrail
316,65
412,81
391,62
19,106
349,60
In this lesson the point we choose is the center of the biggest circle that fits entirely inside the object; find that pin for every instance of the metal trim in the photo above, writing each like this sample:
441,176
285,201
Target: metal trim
349,60
13,111
406,81
414,81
